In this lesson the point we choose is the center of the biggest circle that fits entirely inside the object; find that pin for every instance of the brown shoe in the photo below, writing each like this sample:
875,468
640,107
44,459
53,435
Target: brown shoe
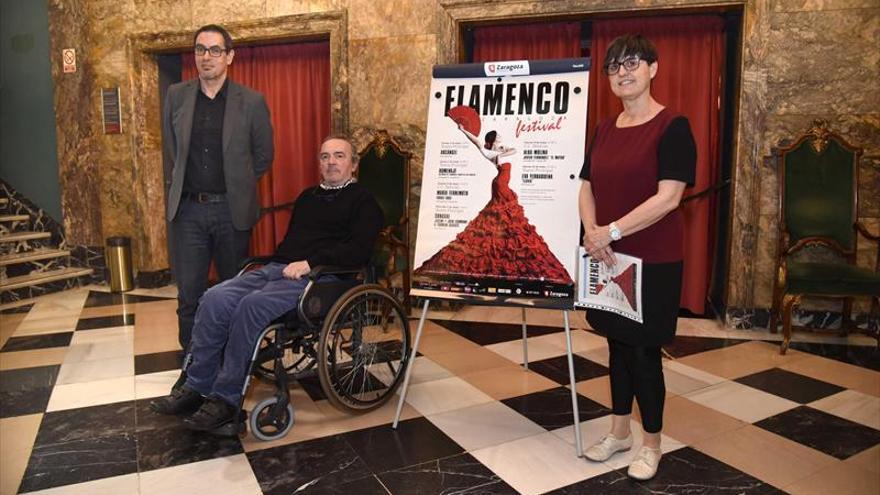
182,400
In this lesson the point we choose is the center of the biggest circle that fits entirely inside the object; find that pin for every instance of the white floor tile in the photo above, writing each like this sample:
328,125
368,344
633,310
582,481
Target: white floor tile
742,402
538,350
425,370
89,371
154,384
852,405
538,464
91,393
581,340
101,344
224,476
692,373
485,425
444,395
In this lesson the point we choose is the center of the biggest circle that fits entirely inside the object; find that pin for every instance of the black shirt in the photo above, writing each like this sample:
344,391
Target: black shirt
204,164
332,227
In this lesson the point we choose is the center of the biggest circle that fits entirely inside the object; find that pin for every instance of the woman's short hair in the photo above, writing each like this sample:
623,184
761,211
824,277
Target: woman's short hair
630,45
490,139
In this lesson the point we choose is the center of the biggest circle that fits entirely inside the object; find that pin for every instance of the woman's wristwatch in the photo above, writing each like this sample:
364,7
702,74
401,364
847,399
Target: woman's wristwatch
614,232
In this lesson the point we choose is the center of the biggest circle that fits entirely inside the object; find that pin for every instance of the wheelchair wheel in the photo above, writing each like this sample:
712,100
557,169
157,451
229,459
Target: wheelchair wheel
298,357
268,421
364,349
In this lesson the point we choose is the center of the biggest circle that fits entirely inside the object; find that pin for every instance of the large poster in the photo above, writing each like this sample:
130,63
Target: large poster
498,219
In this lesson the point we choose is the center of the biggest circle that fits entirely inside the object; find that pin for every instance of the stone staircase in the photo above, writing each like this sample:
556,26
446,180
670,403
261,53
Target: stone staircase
33,259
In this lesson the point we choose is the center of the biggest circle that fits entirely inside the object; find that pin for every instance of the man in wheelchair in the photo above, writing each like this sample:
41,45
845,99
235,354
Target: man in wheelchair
334,223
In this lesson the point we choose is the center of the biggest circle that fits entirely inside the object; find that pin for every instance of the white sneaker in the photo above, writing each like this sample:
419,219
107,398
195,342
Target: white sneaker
644,466
607,446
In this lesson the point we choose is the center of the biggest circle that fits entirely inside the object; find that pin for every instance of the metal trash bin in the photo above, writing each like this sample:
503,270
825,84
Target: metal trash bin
118,256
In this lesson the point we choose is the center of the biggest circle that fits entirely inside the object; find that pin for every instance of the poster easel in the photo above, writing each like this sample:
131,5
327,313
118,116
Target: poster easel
578,447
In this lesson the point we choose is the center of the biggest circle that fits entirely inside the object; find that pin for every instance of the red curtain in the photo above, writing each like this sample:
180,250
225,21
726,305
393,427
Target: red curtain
295,79
527,41
691,58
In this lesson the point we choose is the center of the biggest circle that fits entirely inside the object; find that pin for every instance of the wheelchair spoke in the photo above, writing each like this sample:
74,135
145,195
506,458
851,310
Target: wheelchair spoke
364,348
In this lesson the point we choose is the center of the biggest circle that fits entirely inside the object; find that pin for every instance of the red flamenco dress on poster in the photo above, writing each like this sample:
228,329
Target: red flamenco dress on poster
499,242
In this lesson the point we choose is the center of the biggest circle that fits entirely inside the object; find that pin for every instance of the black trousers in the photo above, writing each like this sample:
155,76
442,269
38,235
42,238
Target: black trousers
199,233
637,371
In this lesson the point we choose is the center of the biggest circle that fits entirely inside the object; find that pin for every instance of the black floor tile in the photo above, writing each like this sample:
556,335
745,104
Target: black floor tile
415,441
864,356
364,486
791,386
27,390
80,460
493,333
312,386
165,447
105,322
97,298
323,465
156,362
24,308
556,369
552,408
825,432
690,471
31,342
457,474
70,425
611,483
685,346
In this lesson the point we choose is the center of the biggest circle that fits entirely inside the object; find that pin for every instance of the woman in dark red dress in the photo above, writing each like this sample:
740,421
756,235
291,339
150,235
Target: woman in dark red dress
635,173
500,241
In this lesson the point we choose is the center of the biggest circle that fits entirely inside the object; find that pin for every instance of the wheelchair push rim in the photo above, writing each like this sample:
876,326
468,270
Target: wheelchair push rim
364,349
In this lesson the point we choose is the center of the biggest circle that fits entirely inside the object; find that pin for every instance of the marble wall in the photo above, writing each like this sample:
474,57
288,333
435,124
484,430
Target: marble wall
801,59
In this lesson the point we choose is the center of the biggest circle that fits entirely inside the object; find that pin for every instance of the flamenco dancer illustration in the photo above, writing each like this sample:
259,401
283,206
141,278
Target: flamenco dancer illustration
499,242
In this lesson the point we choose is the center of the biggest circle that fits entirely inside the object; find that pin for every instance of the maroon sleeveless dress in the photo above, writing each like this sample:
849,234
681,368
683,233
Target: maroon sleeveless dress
623,166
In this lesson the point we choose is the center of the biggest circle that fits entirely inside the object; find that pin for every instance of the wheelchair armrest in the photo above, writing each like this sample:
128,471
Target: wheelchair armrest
321,270
319,295
252,262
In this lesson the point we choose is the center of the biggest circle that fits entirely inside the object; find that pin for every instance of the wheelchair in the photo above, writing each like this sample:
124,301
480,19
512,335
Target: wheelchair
354,335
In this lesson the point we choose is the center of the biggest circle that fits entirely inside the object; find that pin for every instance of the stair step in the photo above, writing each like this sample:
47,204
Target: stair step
13,218
35,255
43,277
24,236
4,201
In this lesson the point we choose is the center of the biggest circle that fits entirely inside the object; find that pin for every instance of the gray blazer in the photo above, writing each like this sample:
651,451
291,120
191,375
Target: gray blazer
247,147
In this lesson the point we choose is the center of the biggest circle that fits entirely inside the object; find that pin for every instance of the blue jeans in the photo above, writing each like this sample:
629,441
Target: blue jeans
199,233
230,317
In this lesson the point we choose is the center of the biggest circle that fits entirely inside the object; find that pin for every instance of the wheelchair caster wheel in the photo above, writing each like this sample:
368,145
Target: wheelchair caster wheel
269,421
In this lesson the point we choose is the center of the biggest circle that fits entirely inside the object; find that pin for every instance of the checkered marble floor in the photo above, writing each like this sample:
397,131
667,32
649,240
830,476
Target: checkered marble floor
77,371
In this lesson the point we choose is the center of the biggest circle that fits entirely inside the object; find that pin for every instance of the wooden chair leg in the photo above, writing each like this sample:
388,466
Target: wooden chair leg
846,322
874,319
788,303
774,311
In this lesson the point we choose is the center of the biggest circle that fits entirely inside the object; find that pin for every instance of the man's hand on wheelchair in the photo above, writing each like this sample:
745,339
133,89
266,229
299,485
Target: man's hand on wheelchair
296,270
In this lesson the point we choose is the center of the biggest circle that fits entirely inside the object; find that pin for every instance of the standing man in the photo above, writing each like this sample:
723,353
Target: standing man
217,141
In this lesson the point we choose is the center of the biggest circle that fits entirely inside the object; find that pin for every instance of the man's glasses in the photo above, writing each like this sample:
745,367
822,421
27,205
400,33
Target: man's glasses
215,50
630,64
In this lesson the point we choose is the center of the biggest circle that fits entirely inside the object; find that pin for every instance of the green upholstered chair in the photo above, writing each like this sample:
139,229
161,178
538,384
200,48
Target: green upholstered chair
384,170
818,187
